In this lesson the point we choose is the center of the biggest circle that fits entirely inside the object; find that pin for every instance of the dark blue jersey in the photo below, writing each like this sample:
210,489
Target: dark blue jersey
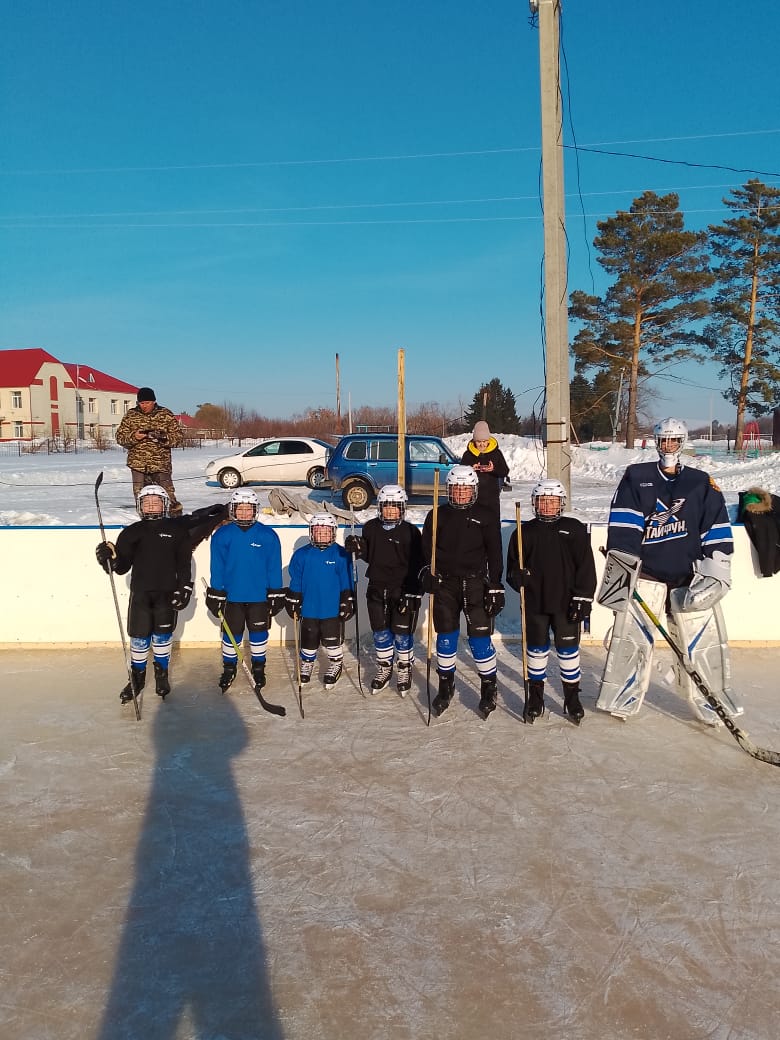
320,575
668,521
246,562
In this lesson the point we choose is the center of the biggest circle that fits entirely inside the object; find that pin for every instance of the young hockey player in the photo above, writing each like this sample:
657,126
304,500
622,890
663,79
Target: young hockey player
320,594
673,519
484,456
469,566
392,547
559,579
158,548
246,584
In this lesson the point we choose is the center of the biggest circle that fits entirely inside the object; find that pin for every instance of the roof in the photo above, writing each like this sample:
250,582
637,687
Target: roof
19,368
93,379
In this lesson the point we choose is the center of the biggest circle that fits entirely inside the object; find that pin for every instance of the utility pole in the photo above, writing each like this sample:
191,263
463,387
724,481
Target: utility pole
556,311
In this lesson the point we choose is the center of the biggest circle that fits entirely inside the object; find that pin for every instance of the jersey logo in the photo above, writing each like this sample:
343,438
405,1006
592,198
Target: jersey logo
663,524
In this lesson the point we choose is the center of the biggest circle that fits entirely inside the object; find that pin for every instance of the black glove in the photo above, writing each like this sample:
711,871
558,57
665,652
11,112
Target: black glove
215,600
293,601
181,597
519,578
276,601
429,582
219,511
354,544
410,601
106,556
494,601
346,605
578,609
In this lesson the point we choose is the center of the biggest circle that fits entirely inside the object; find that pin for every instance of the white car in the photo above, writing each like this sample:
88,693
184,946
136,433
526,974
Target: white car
282,460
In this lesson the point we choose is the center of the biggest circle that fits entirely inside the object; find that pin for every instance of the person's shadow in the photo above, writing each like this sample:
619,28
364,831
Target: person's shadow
192,945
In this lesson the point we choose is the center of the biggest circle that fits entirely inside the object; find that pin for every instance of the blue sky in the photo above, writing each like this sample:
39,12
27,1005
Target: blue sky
216,198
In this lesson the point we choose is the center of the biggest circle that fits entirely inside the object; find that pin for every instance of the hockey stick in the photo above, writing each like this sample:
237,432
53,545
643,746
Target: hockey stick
434,523
523,639
297,637
128,666
355,587
744,741
273,709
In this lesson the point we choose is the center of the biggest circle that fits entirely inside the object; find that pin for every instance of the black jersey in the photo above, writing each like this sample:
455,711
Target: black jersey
468,542
559,556
394,556
159,552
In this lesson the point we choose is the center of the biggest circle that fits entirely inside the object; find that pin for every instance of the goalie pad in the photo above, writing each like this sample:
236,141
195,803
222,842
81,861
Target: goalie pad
626,674
701,635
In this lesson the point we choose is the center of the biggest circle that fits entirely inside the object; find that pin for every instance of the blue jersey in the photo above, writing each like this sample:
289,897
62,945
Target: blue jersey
246,562
668,521
320,575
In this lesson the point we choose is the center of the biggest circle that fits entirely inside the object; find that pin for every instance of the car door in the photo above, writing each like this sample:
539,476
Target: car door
296,459
382,465
425,456
263,463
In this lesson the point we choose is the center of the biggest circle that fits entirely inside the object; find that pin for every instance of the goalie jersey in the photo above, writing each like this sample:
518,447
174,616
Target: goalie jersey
668,520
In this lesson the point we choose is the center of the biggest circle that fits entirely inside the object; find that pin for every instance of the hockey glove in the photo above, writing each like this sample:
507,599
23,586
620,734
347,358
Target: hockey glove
215,600
494,601
346,605
106,556
276,601
217,513
711,581
181,597
411,602
355,545
518,577
429,583
578,609
293,601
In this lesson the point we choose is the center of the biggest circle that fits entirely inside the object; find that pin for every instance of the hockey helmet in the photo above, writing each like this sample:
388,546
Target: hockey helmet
391,504
462,487
322,530
239,501
671,436
549,500
153,502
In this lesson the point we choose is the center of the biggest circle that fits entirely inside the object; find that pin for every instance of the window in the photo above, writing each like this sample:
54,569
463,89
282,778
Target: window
114,407
385,451
296,448
18,429
271,448
356,450
16,399
91,405
128,406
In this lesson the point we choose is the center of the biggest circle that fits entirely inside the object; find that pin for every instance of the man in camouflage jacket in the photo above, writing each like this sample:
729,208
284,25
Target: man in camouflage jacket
149,432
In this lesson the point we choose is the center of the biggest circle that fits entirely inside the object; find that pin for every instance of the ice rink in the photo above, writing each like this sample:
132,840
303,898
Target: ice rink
214,872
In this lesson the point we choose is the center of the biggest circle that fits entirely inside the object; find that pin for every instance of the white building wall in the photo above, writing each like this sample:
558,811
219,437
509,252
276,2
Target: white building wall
55,593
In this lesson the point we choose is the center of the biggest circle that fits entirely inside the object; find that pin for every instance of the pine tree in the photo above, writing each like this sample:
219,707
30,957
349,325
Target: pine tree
495,404
645,319
744,331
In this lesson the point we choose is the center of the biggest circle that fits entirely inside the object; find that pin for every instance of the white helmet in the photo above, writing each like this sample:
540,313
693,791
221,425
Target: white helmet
462,477
148,508
322,530
549,500
673,433
243,497
395,496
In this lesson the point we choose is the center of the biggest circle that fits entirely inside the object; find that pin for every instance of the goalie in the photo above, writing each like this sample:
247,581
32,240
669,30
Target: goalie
671,537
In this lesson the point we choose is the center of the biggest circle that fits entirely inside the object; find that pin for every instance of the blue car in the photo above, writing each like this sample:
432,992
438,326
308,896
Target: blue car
362,463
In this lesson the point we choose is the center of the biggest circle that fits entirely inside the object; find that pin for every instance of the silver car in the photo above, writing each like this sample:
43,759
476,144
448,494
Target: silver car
281,460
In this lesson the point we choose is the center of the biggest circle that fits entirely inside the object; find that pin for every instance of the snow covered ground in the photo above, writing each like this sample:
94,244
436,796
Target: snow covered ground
59,489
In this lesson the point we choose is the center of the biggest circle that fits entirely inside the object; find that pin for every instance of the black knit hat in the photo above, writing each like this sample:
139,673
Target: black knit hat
146,394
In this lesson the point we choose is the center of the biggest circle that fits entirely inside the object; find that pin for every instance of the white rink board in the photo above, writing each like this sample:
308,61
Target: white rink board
55,593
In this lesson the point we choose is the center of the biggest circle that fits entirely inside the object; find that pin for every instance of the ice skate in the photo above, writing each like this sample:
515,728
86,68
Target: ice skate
487,700
258,674
534,705
307,667
228,676
446,690
571,703
139,681
332,675
384,672
162,686
404,677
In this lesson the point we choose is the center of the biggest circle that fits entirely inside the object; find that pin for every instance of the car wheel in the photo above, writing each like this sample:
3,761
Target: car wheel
229,478
358,495
315,478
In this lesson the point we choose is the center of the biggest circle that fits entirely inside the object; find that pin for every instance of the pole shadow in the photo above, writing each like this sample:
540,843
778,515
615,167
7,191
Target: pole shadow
192,945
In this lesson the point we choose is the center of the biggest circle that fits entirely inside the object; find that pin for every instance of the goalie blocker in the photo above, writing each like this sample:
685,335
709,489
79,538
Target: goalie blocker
701,634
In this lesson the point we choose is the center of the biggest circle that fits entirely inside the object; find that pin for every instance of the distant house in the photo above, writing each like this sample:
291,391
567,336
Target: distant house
42,397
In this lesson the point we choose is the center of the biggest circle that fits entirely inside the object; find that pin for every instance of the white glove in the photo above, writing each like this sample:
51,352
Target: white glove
711,581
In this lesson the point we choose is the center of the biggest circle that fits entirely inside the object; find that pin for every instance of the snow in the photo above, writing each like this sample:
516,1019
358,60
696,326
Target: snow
58,489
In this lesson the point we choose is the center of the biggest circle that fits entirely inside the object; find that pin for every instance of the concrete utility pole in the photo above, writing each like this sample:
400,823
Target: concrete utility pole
556,310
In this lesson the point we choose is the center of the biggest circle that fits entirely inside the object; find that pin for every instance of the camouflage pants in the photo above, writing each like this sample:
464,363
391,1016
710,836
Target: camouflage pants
164,478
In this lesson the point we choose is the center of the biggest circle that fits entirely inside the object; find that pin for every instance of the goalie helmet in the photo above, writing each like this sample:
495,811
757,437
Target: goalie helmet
462,487
153,502
243,498
322,530
391,505
671,436
548,499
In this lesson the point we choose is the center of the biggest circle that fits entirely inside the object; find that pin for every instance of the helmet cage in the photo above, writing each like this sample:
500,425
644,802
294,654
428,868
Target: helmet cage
148,509
458,478
671,436
393,497
243,497
322,530
548,499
